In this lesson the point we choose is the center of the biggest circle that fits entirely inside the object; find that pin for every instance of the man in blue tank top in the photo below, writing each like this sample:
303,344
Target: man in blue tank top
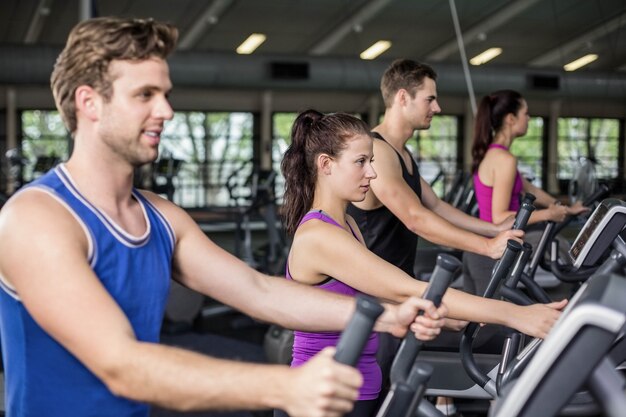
87,261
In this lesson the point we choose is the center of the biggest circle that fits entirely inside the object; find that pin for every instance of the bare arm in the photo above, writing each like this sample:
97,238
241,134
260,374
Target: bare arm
205,267
69,302
502,168
554,210
393,192
542,198
372,275
455,216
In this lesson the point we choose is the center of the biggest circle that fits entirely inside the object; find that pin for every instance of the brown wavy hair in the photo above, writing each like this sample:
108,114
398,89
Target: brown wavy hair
90,48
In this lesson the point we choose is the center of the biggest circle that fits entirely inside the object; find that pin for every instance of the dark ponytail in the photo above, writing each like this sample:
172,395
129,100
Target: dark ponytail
490,115
313,133
298,172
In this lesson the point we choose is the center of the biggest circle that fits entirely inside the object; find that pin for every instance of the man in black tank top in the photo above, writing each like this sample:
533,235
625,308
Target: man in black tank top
383,232
400,204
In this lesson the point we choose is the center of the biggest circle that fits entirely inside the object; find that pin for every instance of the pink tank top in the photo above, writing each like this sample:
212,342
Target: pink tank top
307,344
484,193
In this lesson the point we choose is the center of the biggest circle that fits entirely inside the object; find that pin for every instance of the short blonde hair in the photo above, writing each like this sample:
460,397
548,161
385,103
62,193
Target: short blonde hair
90,48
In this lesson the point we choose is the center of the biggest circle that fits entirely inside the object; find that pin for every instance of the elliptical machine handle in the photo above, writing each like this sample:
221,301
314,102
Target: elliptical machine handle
600,194
523,214
566,274
358,330
440,279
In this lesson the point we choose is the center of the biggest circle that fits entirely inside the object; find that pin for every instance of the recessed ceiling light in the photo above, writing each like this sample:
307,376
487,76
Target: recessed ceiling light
580,62
249,45
375,50
486,56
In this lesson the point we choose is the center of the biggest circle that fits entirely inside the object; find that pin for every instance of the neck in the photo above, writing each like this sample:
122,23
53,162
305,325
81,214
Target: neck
504,139
106,181
395,130
334,207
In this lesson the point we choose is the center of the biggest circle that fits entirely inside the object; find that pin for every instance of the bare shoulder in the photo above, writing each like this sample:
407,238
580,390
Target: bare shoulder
497,155
496,162
316,236
314,233
383,150
36,209
386,163
35,221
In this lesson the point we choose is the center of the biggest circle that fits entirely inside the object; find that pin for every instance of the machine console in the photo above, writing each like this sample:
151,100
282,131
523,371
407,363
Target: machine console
605,223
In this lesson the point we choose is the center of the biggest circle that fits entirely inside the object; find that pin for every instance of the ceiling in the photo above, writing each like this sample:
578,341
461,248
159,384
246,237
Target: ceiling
326,36
537,33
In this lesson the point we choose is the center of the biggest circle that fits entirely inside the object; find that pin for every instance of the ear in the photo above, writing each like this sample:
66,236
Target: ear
510,118
88,103
402,96
324,163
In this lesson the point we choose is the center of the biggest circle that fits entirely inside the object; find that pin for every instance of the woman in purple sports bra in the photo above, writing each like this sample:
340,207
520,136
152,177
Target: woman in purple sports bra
327,166
502,116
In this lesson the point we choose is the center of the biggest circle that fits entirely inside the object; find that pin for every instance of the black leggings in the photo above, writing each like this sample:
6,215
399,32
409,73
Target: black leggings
477,271
363,408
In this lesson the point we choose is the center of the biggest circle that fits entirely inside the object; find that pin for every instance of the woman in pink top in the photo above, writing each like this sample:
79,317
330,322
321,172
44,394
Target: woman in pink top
327,166
503,116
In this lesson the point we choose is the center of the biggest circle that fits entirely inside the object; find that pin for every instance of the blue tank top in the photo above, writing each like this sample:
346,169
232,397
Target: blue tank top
308,344
42,377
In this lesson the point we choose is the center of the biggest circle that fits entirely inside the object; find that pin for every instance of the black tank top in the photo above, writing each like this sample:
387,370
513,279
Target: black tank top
384,233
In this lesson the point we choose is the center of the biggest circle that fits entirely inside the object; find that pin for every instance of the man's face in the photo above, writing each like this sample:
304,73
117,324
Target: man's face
421,108
132,121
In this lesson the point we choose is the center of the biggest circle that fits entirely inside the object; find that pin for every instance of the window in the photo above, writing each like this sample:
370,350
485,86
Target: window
45,142
281,139
436,151
594,139
200,152
529,151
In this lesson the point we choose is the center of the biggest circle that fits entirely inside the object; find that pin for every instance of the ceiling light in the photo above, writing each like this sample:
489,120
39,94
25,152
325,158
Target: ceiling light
486,56
249,45
580,62
375,50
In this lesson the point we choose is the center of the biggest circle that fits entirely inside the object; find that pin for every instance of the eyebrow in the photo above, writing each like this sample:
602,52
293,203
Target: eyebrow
153,88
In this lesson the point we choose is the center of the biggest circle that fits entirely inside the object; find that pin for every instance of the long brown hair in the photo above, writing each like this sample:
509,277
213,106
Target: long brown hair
313,133
490,115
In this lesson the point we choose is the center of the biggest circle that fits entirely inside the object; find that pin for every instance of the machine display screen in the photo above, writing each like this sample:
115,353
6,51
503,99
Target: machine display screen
587,231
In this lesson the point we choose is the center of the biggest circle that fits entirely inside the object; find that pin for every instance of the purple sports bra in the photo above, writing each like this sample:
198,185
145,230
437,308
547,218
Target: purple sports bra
484,193
307,344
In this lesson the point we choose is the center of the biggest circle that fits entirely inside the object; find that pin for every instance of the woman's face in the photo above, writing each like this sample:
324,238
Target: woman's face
520,125
352,170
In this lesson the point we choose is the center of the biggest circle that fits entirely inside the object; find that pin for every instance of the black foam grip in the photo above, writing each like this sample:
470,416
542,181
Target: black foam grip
358,330
523,214
440,280
529,198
